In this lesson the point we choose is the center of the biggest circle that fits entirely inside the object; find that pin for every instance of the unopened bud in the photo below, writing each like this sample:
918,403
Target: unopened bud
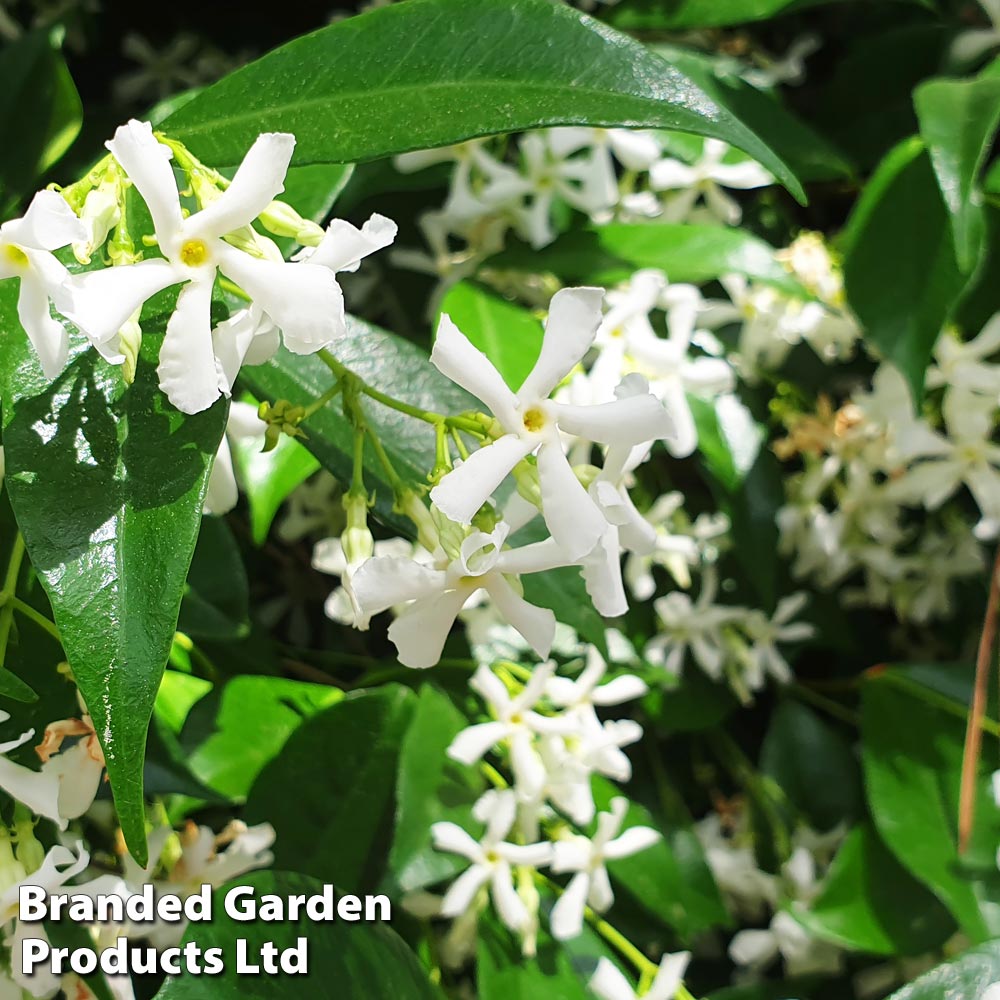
100,214
410,504
29,851
526,481
357,541
130,341
280,219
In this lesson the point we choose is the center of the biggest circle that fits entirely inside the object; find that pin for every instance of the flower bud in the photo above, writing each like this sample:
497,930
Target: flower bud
130,341
280,219
30,852
101,212
356,540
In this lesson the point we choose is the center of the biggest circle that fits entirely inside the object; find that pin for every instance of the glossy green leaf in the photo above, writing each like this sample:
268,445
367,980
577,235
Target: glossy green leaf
431,788
964,978
508,334
390,81
40,110
958,121
347,961
814,764
269,477
900,270
231,733
393,366
216,599
338,825
608,254
912,751
107,484
870,903
676,14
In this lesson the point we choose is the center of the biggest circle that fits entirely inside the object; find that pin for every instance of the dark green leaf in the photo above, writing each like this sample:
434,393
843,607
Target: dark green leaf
216,600
607,254
431,788
675,14
342,765
814,765
958,120
870,903
900,271
390,81
347,961
107,484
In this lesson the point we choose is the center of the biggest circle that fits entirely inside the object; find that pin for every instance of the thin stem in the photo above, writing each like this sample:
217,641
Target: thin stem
825,704
318,404
974,726
37,617
390,471
7,594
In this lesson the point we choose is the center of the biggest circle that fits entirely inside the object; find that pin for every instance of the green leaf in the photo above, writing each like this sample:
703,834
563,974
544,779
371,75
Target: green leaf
40,110
347,961
434,72
814,765
912,751
958,121
671,880
342,764
870,903
607,254
431,788
507,334
269,477
392,365
676,14
107,484
217,597
230,734
900,271
965,978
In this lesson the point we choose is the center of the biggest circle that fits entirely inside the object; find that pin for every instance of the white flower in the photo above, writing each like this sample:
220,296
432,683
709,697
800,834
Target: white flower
803,954
38,790
531,422
79,768
704,180
438,592
26,246
303,300
695,625
765,634
609,984
963,364
590,885
516,722
243,425
580,696
992,992
748,890
492,860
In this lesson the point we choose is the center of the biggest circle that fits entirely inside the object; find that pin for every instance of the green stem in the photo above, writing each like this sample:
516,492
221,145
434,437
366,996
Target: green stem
380,453
7,594
318,404
936,699
37,617
825,704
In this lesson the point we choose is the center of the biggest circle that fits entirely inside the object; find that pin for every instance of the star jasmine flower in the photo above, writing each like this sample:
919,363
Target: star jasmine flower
608,983
531,423
704,181
436,593
803,954
243,424
590,885
765,634
516,722
963,364
79,768
38,790
580,696
26,246
492,860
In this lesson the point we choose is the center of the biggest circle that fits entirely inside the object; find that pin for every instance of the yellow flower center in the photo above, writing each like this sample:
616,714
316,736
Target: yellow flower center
534,419
15,255
194,253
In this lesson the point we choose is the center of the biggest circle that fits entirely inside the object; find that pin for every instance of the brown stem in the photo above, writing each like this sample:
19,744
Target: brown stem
974,727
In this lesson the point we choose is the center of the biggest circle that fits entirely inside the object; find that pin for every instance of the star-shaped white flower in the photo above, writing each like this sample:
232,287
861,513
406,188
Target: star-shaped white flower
590,885
492,860
26,246
531,422
609,984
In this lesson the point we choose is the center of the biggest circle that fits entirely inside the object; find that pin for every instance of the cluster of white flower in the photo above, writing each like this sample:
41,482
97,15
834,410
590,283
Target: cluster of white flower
754,896
545,731
495,189
870,464
197,362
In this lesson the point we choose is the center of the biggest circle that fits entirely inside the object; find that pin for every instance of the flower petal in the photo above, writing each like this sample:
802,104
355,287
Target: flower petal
47,335
609,983
452,838
455,356
624,422
566,918
510,907
462,891
468,486
536,625
222,492
258,181
344,246
147,162
573,518
420,632
48,224
574,316
304,301
381,583
631,841
473,743
187,369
